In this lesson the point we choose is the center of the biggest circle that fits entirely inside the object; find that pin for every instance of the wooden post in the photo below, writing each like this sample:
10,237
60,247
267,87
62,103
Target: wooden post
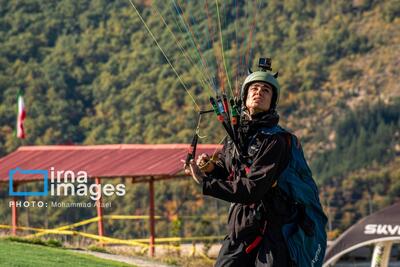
381,254
99,212
14,213
152,223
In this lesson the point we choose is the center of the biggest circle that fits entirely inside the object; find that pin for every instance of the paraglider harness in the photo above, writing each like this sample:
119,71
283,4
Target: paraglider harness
304,234
304,229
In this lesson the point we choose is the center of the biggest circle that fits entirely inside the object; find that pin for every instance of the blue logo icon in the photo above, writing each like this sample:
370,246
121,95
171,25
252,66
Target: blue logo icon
43,173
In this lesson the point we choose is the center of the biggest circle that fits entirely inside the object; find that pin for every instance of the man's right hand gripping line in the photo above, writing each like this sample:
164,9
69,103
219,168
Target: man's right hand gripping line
199,169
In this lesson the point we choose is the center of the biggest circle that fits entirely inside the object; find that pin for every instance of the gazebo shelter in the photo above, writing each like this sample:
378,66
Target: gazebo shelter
140,162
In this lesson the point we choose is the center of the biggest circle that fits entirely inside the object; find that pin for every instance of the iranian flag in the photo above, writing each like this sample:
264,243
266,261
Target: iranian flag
21,117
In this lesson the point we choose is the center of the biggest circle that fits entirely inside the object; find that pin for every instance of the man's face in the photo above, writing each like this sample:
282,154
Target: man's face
259,97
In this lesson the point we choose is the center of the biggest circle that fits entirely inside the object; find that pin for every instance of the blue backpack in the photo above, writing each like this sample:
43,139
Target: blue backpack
306,237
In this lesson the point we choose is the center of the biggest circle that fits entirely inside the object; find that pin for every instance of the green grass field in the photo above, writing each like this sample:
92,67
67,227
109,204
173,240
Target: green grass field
28,255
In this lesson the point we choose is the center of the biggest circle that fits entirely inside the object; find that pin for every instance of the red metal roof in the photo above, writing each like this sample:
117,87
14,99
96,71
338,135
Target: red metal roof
136,160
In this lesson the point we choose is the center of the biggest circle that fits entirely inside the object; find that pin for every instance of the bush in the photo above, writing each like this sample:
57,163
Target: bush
36,241
391,10
97,249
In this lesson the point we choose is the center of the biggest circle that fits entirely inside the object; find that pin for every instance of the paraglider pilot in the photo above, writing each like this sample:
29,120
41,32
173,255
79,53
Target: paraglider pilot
265,218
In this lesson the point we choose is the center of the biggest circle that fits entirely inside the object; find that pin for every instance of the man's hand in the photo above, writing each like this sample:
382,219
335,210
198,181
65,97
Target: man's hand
199,168
194,170
205,163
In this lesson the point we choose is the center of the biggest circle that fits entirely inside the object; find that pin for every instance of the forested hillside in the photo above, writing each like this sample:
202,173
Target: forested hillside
92,74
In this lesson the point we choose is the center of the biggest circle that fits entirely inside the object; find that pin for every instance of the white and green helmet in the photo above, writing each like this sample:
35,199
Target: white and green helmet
261,76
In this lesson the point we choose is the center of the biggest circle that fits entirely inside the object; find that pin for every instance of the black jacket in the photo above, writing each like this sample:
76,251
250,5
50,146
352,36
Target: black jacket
247,187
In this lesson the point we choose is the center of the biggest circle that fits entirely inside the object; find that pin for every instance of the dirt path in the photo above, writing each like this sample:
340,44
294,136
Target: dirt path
125,259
